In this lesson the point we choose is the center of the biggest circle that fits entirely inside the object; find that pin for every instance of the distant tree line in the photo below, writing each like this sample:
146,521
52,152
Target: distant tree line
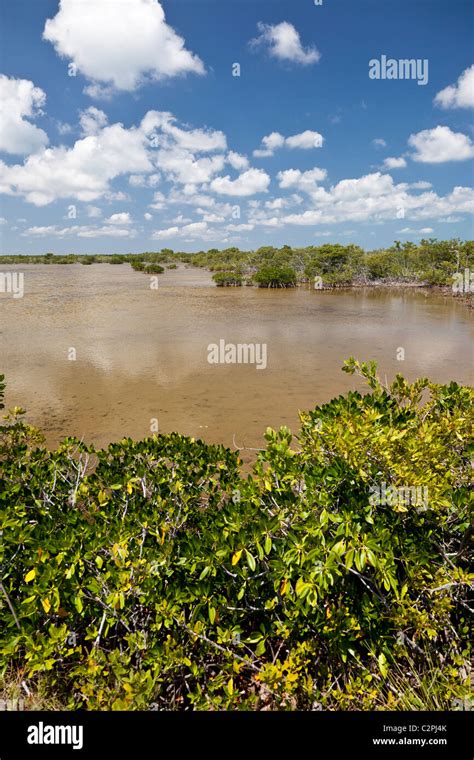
431,262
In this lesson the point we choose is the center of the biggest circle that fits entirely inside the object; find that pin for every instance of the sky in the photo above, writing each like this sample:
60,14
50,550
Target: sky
137,125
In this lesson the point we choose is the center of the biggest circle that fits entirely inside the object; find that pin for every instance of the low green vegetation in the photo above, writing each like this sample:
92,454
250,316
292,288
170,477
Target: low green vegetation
431,263
227,279
275,276
156,573
74,258
142,266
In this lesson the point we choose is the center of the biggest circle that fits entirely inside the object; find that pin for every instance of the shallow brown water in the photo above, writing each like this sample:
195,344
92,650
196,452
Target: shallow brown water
143,353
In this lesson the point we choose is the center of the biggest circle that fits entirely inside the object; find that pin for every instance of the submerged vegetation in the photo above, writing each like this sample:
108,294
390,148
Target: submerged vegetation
430,263
155,573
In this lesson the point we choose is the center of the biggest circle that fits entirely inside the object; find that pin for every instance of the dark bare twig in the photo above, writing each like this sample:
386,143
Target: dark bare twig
12,609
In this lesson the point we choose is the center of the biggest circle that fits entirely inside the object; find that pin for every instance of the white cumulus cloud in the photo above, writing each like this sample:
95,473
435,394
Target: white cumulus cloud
283,42
304,140
84,231
192,231
305,181
394,163
20,101
183,167
270,143
410,231
119,44
459,95
161,126
373,197
237,161
441,144
155,150
250,182
83,172
94,212
120,218
92,120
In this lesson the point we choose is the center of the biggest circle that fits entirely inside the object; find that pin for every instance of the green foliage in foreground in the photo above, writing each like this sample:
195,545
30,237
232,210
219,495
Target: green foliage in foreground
154,572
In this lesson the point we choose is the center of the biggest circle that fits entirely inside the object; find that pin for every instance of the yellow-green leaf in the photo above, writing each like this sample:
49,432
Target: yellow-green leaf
46,604
236,557
382,661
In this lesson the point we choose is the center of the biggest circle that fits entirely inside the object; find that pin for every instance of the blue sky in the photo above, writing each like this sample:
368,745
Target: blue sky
155,143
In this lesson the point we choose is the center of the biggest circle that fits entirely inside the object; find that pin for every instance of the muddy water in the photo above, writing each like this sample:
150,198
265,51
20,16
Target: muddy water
142,354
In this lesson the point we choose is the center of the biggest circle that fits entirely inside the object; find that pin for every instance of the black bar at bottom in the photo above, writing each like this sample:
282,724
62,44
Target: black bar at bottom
130,734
